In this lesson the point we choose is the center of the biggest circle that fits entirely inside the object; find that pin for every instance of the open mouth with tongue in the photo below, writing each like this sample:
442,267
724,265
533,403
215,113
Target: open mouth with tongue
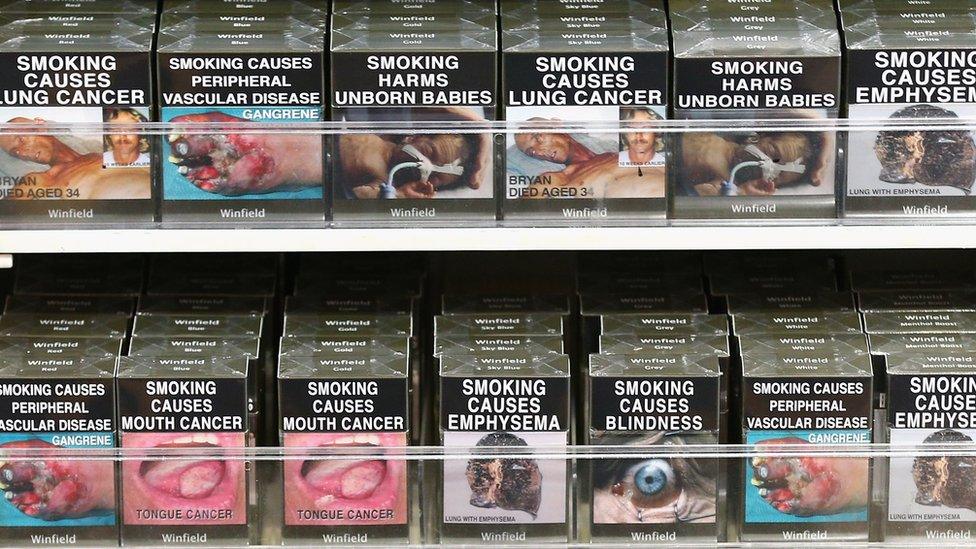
53,489
206,488
185,479
357,489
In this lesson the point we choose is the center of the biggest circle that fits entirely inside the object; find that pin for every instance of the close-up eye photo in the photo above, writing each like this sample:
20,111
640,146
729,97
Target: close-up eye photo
648,484
654,490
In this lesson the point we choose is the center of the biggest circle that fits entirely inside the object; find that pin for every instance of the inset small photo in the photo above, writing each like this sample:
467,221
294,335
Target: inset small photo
125,150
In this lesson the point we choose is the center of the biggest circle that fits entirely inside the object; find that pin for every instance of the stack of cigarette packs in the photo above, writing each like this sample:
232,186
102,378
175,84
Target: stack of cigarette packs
607,69
920,323
191,381
909,60
755,60
229,62
395,61
504,381
658,365
807,379
344,362
596,62
346,378
63,329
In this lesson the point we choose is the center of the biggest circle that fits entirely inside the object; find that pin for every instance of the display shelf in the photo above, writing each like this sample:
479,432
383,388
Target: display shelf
758,201
676,237
426,468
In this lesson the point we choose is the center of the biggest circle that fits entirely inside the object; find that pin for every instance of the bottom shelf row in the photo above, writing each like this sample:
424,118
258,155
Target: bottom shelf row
348,491
297,403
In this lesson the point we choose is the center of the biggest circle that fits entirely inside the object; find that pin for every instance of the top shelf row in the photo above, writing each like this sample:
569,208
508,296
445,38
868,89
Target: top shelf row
299,113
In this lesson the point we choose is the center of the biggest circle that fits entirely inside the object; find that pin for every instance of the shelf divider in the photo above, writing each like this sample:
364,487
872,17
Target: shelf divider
758,237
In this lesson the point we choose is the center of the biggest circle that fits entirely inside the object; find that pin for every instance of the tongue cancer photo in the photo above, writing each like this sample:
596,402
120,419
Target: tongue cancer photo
205,490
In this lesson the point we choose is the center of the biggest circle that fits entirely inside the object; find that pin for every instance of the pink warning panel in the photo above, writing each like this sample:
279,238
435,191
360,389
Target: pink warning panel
206,489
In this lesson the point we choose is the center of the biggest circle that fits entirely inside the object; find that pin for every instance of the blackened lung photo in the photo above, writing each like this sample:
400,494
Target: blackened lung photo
505,483
934,158
948,481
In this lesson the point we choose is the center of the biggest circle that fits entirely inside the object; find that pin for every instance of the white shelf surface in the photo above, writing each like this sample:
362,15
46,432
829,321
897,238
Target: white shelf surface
769,237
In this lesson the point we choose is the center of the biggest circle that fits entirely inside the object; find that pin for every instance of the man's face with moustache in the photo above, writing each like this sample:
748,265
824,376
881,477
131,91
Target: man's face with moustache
641,144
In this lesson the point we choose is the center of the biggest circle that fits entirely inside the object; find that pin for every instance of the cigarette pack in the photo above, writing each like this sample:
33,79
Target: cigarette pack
199,405
609,64
930,402
342,401
806,398
650,400
77,67
441,73
485,402
731,62
910,61
212,70
47,403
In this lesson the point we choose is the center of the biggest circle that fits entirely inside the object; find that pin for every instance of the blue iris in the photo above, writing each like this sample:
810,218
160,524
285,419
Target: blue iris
651,479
